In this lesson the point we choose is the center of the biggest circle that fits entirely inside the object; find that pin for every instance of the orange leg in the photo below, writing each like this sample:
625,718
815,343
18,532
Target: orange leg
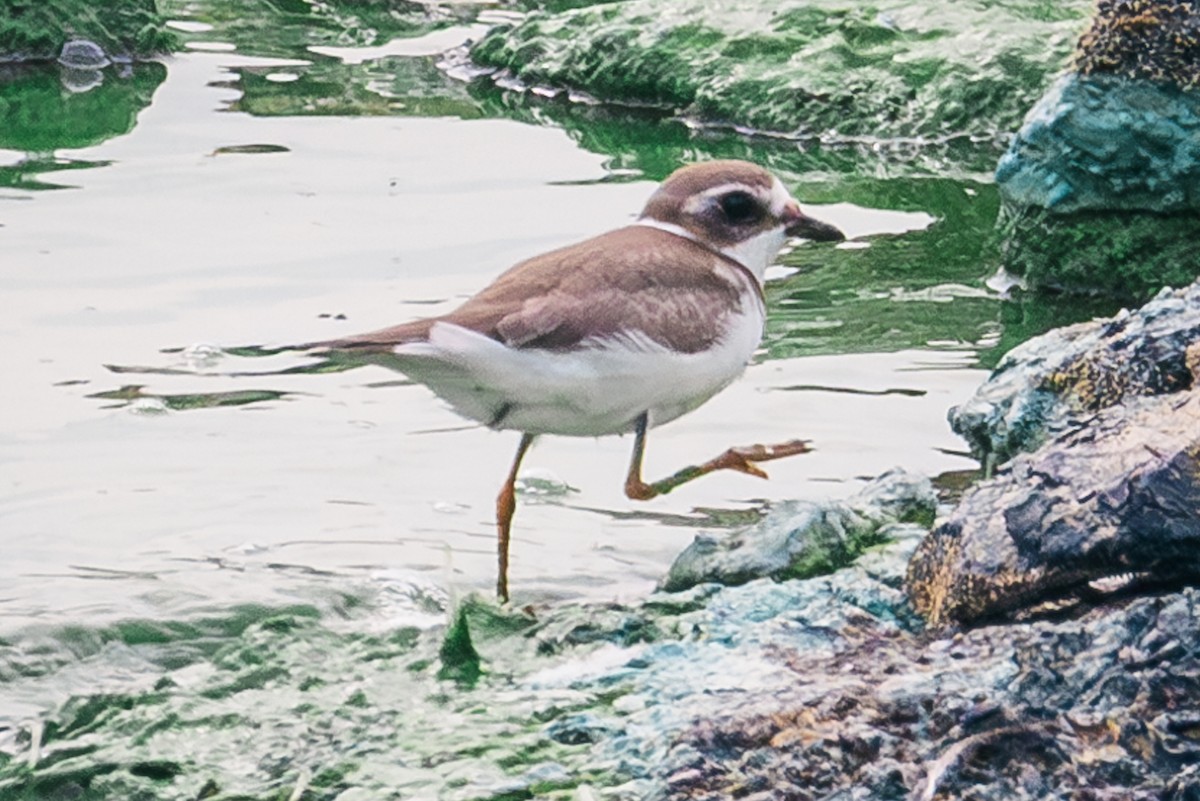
742,460
506,504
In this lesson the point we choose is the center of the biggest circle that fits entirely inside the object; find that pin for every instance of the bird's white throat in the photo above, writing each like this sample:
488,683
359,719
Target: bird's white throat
756,254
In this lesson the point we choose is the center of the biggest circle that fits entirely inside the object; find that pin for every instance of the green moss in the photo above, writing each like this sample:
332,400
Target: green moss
459,659
806,68
37,29
1129,254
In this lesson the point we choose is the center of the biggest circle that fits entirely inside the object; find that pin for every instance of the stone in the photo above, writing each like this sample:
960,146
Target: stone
803,538
1099,186
81,54
1054,383
1118,498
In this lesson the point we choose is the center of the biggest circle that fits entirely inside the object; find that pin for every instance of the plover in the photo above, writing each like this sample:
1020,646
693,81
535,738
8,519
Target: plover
616,334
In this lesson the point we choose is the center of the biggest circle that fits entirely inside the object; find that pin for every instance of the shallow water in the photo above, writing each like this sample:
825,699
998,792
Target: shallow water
152,480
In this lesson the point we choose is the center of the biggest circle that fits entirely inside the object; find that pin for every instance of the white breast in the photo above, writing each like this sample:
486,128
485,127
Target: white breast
598,389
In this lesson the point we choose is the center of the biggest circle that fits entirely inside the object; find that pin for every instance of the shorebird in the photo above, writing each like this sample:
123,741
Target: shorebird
615,334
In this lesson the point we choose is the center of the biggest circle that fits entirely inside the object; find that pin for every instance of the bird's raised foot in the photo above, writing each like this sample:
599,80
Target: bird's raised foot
742,460
765,453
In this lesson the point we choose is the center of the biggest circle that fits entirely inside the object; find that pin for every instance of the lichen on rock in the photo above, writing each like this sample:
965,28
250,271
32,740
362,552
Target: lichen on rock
1055,383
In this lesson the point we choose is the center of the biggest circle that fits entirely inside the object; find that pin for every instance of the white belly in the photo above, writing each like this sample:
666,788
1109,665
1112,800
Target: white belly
592,391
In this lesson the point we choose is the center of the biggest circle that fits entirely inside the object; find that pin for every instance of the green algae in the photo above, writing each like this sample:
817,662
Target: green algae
1128,256
459,660
829,68
35,30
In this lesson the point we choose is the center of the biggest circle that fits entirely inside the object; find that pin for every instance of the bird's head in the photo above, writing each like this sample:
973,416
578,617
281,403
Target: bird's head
734,207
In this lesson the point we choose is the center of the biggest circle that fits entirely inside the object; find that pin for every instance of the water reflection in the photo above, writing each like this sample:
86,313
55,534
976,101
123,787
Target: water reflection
39,117
134,395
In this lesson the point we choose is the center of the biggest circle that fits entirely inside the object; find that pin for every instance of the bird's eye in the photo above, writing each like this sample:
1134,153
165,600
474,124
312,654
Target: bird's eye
740,207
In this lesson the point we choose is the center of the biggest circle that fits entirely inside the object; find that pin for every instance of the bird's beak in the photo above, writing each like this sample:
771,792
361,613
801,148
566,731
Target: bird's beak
800,224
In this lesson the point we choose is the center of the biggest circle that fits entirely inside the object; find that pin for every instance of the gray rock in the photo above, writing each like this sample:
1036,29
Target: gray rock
1055,383
81,54
1116,498
1106,142
802,539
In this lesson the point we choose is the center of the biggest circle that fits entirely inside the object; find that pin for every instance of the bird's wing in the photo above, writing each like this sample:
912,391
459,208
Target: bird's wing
635,281
632,282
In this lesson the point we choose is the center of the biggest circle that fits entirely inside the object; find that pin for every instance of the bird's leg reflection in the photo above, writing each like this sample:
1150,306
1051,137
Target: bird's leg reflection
506,504
742,460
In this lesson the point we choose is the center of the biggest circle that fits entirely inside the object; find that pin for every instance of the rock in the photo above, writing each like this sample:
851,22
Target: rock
80,54
1055,383
1106,143
799,539
1117,498
1099,424
833,69
1099,187
1149,39
831,700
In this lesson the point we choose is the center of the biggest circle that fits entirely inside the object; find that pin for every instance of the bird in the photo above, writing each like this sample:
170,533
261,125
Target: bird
613,335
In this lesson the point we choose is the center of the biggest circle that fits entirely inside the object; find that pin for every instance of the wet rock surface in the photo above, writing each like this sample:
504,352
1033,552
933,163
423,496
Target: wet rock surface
1099,185
799,539
1055,383
1099,427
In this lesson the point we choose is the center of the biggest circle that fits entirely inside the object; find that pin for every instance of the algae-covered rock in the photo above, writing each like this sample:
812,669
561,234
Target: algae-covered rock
800,539
1100,185
833,68
37,30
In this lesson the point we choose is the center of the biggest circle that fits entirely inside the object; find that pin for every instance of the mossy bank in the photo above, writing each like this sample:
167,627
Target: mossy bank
827,68
36,30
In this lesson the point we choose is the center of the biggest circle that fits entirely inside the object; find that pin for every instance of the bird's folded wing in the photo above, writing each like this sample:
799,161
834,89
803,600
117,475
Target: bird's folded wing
635,282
